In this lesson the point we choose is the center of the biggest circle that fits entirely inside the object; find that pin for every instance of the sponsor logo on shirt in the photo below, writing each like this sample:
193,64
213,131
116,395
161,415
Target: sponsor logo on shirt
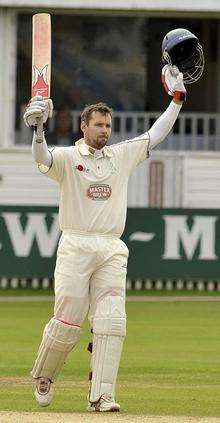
99,192
81,168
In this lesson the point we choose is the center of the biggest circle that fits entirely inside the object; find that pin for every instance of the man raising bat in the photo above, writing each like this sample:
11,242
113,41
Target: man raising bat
90,272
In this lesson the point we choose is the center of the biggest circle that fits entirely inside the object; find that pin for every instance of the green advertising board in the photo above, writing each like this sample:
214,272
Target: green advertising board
173,243
28,241
163,243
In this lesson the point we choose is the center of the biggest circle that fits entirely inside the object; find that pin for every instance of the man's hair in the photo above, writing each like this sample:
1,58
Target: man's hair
98,107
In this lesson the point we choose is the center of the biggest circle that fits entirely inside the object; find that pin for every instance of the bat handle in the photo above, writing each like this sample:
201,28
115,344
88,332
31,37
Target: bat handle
39,130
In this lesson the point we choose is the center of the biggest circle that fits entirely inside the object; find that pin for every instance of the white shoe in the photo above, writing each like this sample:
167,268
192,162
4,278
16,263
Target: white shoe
43,392
105,403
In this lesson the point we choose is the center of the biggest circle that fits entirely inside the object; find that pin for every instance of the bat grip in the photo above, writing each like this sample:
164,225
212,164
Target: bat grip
39,130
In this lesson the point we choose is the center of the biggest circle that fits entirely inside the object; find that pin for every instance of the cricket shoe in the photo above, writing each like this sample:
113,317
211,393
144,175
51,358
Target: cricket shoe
43,392
105,403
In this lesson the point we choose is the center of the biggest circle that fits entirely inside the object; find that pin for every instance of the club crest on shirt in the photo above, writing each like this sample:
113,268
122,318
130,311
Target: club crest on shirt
99,192
82,168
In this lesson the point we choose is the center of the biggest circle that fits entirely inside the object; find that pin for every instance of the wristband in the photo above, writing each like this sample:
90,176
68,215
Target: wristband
179,96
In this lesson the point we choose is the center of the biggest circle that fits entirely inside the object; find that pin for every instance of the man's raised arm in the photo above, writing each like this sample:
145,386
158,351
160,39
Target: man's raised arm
172,81
36,114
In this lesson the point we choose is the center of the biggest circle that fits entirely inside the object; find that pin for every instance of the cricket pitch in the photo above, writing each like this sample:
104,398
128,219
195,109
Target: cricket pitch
11,417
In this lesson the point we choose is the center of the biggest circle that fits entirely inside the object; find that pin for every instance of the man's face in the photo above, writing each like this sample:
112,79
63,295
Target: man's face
98,130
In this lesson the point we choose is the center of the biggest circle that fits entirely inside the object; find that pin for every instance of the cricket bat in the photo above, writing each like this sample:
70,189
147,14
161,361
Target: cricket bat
41,57
41,54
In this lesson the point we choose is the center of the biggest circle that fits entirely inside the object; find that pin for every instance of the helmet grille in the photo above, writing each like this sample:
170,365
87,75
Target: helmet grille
188,57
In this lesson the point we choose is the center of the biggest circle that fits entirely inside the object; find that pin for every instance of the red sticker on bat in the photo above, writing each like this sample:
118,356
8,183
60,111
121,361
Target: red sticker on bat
40,86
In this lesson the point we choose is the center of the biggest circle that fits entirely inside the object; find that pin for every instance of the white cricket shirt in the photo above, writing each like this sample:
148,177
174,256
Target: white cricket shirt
93,187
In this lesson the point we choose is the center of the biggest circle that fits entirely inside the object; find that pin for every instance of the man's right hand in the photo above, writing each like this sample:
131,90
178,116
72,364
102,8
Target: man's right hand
38,111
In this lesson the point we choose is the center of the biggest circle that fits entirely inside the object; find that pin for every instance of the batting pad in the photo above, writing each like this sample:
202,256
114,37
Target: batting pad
58,340
109,330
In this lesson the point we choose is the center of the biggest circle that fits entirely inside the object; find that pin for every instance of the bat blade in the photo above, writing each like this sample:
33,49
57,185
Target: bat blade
41,55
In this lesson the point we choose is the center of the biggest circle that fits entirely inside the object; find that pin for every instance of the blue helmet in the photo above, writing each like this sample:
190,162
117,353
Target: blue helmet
181,48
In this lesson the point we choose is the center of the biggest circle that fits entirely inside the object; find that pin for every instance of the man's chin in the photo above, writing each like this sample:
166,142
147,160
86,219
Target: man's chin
101,142
98,143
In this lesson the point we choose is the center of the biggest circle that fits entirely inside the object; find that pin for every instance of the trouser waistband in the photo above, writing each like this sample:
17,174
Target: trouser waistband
89,234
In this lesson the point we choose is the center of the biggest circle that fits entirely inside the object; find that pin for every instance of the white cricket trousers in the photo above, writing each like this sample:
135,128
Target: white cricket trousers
88,268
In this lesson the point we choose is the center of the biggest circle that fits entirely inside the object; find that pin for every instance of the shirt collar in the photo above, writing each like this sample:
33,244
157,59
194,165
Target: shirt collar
86,150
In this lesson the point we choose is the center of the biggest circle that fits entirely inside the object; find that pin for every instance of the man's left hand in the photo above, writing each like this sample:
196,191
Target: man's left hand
172,80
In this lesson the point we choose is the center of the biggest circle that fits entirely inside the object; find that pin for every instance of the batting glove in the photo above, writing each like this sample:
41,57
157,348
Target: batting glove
172,80
38,108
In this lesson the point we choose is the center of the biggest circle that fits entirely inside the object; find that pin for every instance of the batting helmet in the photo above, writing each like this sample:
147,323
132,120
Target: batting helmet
181,47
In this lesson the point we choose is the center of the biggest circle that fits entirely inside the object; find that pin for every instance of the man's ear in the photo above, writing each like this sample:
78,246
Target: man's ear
83,126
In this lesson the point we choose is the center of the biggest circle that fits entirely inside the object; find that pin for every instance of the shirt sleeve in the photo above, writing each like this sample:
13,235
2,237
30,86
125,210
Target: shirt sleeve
134,151
163,125
56,170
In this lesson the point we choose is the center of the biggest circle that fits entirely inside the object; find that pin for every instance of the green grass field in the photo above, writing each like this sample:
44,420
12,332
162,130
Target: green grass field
170,363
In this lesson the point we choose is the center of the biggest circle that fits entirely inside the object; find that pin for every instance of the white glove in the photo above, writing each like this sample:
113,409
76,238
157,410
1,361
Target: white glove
38,111
172,80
